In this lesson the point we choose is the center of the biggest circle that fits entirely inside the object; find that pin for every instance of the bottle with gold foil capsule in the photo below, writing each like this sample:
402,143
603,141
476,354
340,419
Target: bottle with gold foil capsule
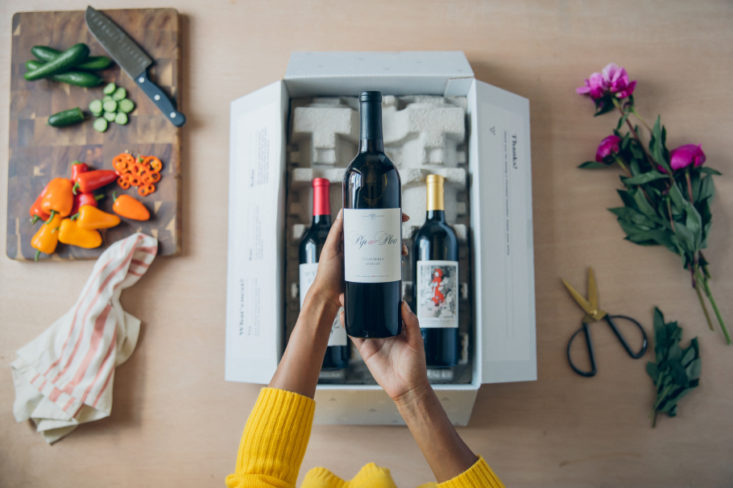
435,287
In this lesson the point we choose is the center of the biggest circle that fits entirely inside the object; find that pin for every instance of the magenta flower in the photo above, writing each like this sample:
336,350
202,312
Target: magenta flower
595,87
686,155
607,147
613,79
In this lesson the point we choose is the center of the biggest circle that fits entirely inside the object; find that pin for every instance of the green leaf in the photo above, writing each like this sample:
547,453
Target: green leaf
705,190
693,369
642,204
622,120
709,170
676,371
626,198
644,178
652,371
593,165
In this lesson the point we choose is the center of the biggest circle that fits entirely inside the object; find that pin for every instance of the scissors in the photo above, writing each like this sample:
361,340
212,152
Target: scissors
595,314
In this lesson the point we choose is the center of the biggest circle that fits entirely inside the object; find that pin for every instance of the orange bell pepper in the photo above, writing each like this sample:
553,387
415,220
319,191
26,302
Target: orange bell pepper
58,197
71,233
46,238
128,207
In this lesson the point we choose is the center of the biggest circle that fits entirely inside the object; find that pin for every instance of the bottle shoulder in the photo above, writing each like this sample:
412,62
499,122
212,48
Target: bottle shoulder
432,228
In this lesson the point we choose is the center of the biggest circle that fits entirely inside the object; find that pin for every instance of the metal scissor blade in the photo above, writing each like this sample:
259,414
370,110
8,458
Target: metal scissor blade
580,299
592,289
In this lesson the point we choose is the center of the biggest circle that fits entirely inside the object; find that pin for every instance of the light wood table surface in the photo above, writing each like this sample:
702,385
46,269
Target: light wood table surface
176,422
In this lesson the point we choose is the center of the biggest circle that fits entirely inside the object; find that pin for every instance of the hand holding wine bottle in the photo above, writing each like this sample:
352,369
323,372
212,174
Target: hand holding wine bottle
397,363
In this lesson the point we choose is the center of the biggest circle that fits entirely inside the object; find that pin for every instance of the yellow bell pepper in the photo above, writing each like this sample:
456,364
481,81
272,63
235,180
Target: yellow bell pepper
47,237
91,218
71,233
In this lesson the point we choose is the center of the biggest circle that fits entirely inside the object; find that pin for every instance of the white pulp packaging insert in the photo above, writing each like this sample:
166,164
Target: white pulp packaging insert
503,343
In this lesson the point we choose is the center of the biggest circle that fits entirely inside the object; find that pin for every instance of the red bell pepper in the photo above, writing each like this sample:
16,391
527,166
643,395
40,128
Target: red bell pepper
78,168
85,199
92,180
35,211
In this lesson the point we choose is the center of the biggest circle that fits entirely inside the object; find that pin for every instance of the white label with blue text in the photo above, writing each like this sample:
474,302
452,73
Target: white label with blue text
372,245
307,272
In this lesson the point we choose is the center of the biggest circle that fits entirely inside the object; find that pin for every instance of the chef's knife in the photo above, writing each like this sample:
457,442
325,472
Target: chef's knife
128,54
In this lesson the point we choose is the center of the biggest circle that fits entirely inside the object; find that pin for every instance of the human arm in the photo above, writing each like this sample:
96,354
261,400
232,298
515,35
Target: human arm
398,365
276,434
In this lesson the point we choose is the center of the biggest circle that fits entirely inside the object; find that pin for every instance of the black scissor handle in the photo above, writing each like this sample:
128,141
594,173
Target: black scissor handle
644,342
586,332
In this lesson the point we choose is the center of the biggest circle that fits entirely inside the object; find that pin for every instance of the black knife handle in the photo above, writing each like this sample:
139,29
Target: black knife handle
160,99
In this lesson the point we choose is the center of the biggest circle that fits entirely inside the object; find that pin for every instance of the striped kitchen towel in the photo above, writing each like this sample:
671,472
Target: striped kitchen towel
64,376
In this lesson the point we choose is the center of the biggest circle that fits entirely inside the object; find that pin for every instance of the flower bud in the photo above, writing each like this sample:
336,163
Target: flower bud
686,155
607,147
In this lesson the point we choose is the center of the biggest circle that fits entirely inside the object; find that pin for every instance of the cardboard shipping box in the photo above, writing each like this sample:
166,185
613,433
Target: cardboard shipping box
503,346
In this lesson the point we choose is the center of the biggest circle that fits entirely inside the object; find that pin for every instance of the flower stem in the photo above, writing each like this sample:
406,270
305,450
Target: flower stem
632,130
709,294
696,286
669,209
636,114
689,185
623,166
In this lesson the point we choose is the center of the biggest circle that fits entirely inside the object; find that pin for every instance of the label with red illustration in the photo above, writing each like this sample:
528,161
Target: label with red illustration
437,293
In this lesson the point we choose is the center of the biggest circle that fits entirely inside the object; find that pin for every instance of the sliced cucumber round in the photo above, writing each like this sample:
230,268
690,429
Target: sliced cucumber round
110,116
95,107
109,89
126,105
100,125
119,93
121,118
110,106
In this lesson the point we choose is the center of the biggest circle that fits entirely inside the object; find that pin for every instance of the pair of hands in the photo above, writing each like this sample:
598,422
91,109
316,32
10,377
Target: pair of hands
396,363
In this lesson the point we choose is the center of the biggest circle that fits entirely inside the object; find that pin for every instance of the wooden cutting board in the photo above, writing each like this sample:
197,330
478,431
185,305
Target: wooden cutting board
39,152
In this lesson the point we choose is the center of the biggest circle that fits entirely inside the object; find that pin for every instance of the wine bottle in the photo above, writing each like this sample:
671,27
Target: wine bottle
372,200
435,290
337,353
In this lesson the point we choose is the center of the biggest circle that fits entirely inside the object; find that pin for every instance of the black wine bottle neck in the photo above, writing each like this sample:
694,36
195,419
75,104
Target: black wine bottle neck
321,220
435,215
371,126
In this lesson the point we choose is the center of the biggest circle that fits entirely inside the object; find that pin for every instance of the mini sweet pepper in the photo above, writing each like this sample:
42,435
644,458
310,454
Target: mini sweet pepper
91,180
47,237
58,198
91,218
70,233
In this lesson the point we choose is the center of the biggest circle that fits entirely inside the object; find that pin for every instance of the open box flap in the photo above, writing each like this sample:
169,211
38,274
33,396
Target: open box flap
256,207
499,155
394,73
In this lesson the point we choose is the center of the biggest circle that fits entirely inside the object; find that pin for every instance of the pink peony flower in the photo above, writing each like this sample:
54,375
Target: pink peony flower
617,80
686,155
607,147
595,87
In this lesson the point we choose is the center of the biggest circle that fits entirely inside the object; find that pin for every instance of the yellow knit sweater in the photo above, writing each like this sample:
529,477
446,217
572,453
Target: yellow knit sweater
274,441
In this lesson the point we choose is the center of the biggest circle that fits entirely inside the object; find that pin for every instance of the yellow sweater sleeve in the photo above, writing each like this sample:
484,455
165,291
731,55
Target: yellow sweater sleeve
478,475
274,441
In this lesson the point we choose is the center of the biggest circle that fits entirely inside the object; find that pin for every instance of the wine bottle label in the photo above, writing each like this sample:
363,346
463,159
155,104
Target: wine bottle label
307,272
372,245
437,293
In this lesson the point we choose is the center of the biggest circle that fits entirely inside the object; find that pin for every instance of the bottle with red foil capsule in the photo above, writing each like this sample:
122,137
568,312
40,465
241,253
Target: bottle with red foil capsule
337,353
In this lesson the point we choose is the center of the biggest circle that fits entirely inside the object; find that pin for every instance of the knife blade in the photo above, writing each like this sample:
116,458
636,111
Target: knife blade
132,59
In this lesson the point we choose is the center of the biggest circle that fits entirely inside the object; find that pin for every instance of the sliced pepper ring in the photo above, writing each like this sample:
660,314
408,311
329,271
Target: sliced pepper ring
122,162
135,180
124,184
153,177
153,163
146,190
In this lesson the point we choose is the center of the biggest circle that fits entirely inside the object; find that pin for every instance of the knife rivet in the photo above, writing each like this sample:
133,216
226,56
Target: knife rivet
156,97
141,80
173,115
